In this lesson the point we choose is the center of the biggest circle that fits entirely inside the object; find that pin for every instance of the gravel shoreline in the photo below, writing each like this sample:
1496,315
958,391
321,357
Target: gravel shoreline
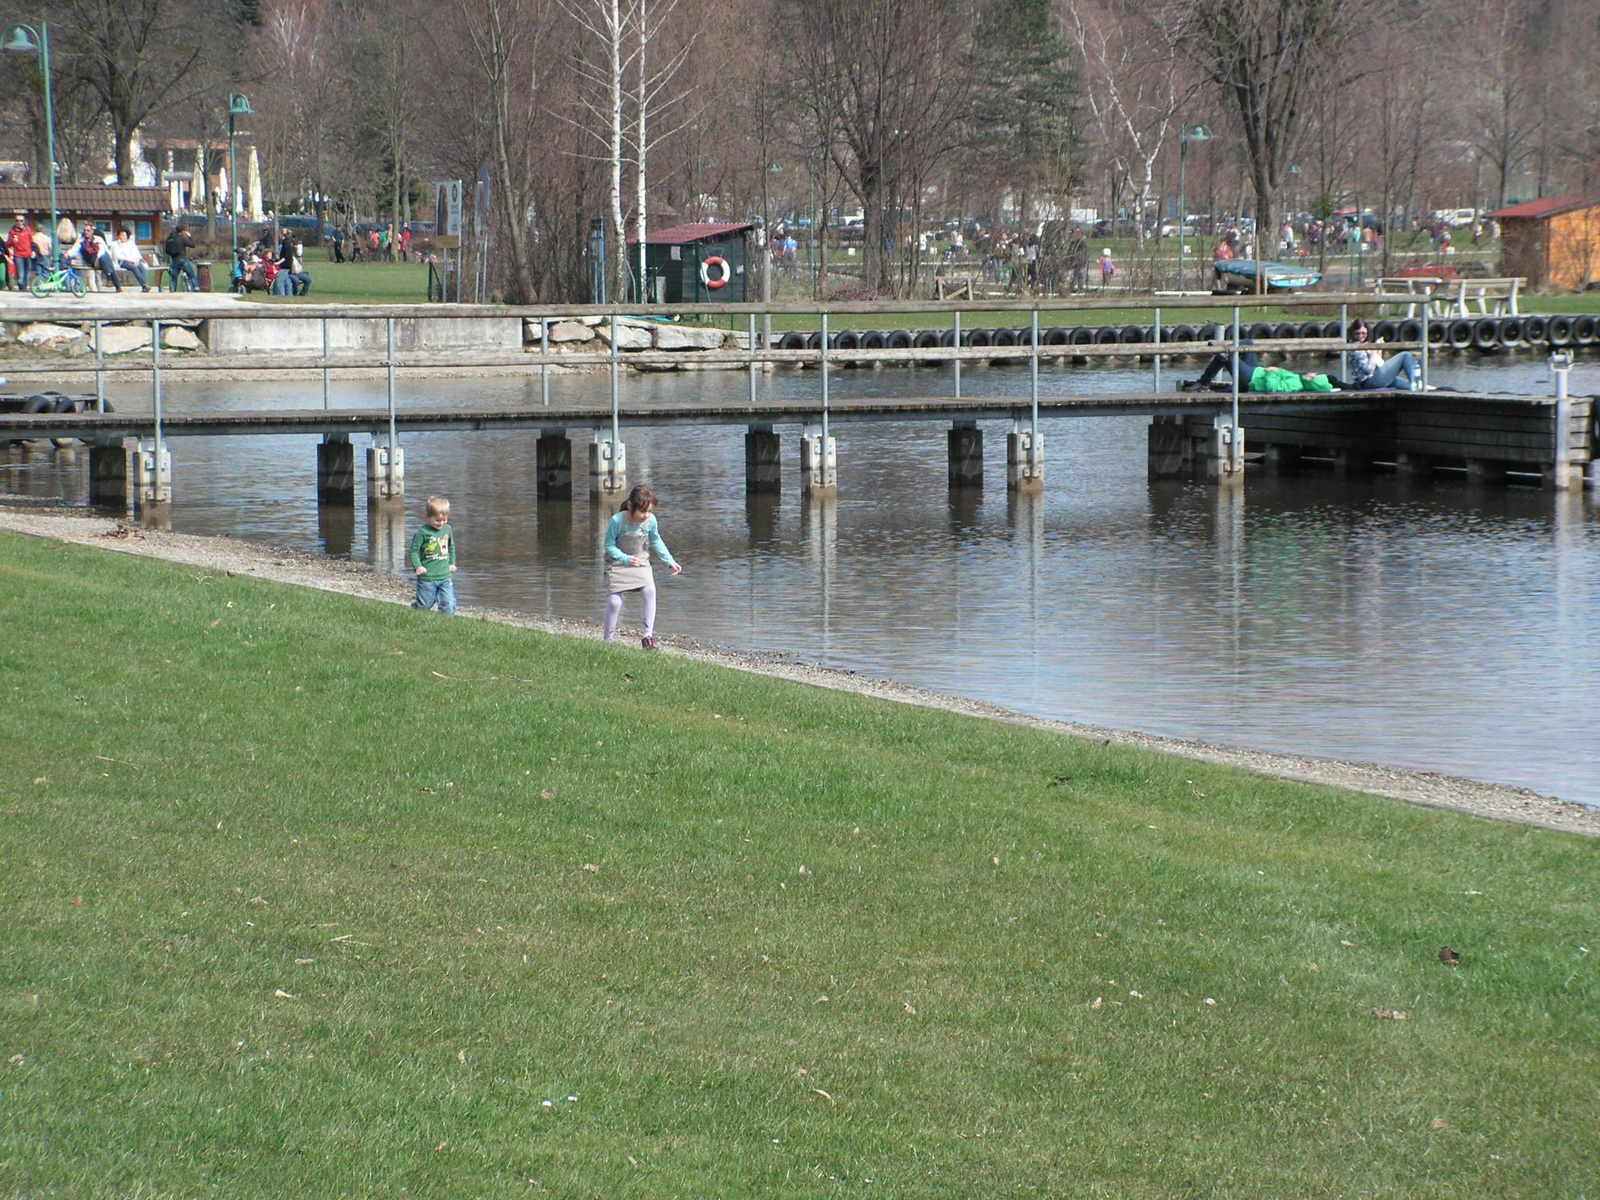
1425,788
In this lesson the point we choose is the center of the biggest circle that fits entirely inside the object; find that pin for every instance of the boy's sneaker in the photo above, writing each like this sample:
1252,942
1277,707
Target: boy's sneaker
649,643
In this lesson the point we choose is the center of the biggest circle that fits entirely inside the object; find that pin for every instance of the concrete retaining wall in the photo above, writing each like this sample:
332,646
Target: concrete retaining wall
222,336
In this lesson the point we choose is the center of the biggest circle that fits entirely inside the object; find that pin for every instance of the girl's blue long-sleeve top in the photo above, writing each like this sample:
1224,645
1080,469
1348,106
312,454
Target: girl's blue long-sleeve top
652,534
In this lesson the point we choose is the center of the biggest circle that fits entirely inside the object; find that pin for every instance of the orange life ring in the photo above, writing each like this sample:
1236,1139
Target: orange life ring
725,273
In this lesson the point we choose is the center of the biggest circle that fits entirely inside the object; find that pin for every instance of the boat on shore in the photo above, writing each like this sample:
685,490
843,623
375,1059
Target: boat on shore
1239,275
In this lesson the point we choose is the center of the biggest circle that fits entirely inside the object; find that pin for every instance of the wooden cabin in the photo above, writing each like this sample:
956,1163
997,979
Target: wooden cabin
1553,243
696,263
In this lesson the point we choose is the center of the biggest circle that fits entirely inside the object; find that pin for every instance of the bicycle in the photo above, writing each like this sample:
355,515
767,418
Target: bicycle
58,279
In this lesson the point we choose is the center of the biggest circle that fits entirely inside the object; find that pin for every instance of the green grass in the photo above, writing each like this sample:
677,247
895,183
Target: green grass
358,283
492,868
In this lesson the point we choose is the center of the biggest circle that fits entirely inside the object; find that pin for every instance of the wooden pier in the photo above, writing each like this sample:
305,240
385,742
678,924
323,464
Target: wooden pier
1551,439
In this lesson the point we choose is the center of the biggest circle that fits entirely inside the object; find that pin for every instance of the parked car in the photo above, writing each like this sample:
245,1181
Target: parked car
306,225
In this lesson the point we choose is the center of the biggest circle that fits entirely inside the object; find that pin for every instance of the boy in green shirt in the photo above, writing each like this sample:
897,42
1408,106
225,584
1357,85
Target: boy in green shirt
433,558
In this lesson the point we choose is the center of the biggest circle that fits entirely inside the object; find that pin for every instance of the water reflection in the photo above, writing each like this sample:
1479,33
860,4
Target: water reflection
1413,621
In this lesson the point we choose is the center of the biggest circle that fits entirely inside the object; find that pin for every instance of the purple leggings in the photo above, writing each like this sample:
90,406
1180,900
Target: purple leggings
614,610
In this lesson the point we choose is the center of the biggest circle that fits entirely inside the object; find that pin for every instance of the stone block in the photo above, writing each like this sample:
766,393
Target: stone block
44,333
629,337
176,337
687,337
563,331
123,339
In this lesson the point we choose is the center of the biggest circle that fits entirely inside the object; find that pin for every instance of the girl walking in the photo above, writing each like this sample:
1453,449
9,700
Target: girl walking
630,537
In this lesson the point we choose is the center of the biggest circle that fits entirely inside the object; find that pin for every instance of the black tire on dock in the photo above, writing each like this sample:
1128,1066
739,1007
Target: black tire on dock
1130,335
979,337
1408,330
792,341
1559,330
1534,330
1056,336
927,339
873,339
1585,330
1438,333
1313,329
899,339
947,338
814,341
1081,335
1384,331
1259,332
1285,329
1485,333
847,339
1511,332
62,404
1182,333
1004,336
1107,335
1460,334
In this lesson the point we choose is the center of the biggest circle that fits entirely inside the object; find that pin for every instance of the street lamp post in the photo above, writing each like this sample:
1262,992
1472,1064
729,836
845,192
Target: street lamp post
24,39
238,106
1190,133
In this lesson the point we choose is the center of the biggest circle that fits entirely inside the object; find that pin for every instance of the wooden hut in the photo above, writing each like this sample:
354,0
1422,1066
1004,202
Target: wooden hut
1553,243
109,207
696,263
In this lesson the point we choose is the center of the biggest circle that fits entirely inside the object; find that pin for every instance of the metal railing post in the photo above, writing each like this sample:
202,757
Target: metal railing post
394,431
824,386
616,389
752,349
325,344
1156,360
544,361
958,353
155,383
99,369
1033,371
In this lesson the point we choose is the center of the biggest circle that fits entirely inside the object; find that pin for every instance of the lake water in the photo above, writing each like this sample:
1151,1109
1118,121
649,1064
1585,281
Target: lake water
1427,624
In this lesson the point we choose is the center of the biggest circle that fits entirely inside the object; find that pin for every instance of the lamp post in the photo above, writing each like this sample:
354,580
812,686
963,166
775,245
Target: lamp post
1190,133
238,106
24,39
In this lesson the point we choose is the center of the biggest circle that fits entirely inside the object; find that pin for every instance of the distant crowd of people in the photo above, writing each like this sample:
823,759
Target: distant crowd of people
31,250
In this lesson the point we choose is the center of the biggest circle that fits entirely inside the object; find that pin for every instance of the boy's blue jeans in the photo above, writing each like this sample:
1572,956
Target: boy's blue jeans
436,593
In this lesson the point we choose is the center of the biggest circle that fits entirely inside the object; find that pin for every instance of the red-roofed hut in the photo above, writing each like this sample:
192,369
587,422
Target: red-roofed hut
697,263
1553,243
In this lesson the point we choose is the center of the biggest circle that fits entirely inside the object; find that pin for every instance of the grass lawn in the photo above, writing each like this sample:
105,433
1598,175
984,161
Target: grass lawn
310,896
358,283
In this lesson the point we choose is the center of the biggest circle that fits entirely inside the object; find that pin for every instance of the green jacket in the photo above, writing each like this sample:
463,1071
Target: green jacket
1276,379
434,549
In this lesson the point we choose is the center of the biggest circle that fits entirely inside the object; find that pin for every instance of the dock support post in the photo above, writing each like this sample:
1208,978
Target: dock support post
1352,462
1281,458
553,465
1225,452
1485,470
964,445
152,479
1168,447
1025,458
111,474
763,465
819,462
608,468
1416,465
1563,473
336,470
386,471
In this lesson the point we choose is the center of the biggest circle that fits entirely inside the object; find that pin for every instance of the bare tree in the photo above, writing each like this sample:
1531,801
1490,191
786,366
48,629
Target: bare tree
1268,57
1135,85
886,85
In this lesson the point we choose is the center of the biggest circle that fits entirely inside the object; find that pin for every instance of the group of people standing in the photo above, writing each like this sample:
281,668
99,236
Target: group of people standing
260,268
30,250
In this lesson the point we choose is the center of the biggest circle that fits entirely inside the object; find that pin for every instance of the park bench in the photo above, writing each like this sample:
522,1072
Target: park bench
1455,297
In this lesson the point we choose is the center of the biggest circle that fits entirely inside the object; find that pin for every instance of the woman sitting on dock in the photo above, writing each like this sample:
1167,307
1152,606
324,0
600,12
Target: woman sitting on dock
1370,371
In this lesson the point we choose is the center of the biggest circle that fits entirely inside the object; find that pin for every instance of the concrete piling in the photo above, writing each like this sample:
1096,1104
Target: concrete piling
608,469
819,463
1025,459
111,474
964,444
763,465
553,465
336,470
386,471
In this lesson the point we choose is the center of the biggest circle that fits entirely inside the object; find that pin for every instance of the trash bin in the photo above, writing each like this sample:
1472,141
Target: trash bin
204,268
